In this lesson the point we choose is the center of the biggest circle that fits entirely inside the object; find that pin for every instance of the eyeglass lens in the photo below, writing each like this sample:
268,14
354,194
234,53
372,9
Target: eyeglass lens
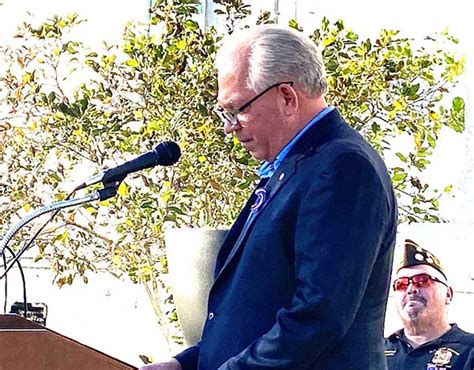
231,118
420,281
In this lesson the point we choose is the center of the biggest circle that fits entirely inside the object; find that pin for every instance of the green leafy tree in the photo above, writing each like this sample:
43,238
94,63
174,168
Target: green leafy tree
66,109
388,89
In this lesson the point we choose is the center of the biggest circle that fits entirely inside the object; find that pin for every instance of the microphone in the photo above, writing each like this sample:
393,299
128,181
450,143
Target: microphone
164,154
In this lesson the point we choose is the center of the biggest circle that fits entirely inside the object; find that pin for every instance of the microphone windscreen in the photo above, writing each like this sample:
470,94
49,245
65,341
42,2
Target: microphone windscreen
167,153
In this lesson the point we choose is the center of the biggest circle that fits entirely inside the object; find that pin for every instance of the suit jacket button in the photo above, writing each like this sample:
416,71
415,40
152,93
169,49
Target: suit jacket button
210,316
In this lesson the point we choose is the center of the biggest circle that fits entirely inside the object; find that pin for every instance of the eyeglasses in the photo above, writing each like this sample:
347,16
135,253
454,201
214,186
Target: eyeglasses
419,280
231,117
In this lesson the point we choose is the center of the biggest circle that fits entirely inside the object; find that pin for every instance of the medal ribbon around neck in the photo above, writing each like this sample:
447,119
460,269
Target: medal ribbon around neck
261,195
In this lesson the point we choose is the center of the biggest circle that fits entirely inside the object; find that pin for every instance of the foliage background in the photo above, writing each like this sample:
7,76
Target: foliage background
67,110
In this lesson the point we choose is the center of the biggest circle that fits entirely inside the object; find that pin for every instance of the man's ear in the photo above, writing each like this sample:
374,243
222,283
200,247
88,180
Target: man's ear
290,98
449,295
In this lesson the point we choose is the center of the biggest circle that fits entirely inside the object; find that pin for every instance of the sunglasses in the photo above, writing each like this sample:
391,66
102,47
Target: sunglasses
419,280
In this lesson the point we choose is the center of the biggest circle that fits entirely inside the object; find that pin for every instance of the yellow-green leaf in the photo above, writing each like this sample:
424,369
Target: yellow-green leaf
123,189
132,63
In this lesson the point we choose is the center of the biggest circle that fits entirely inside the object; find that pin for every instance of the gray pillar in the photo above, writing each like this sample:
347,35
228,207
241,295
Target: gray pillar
191,254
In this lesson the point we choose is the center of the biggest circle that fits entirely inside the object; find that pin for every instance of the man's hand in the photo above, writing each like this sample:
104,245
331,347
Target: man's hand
171,364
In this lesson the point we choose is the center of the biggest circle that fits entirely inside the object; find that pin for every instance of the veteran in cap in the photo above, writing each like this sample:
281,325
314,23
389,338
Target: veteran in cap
422,295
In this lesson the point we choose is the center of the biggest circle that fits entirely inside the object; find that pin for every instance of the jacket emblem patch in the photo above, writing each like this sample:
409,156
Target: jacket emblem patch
442,357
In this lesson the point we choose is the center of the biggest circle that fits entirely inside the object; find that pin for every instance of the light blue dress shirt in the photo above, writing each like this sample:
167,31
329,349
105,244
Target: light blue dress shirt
268,168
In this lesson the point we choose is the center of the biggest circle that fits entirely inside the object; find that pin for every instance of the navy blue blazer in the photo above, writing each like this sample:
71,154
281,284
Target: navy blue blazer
303,284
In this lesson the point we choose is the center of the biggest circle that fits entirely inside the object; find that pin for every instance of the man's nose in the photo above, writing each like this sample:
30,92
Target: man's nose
411,288
228,128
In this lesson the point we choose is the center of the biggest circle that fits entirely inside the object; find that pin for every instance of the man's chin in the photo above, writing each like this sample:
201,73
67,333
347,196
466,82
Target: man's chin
413,312
256,154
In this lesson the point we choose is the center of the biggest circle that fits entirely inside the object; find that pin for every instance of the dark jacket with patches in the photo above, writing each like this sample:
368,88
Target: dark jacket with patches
454,351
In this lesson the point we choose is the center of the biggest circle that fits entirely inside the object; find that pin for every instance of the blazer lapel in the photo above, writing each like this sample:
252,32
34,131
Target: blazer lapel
235,231
274,184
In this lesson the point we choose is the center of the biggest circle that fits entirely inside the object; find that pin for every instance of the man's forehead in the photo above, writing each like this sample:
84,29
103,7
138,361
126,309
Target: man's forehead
231,88
420,269
227,91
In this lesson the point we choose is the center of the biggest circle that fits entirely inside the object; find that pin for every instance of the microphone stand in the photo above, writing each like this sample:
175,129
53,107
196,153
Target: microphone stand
25,305
109,191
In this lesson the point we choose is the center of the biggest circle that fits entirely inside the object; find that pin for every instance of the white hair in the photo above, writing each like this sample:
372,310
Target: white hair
274,54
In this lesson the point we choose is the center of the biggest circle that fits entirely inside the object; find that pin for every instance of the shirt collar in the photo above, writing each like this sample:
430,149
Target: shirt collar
268,168
452,335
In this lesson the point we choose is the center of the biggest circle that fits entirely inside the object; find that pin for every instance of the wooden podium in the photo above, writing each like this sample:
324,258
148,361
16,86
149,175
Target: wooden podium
25,345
